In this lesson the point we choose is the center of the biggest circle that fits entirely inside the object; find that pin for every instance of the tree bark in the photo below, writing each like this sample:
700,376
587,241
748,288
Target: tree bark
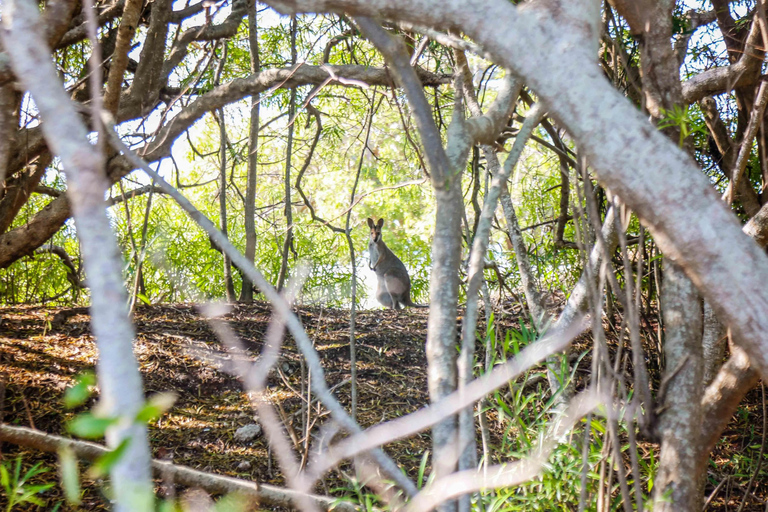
119,378
119,61
263,494
288,242
228,283
246,292
676,485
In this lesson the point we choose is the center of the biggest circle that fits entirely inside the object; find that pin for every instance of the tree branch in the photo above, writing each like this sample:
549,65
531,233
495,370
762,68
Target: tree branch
556,58
73,274
722,79
304,74
264,494
119,378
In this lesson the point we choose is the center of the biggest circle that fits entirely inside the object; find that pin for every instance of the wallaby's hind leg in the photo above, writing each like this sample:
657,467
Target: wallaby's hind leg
383,295
385,299
394,288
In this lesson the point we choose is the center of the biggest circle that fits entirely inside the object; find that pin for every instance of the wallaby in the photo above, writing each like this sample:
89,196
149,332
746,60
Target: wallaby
394,285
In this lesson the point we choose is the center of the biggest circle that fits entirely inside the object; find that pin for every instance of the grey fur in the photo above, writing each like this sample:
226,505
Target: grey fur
394,284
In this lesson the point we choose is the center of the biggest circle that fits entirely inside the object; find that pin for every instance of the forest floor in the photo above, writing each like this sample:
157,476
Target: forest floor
43,349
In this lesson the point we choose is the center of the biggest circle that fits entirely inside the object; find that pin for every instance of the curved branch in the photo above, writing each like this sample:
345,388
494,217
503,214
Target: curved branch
49,191
316,114
485,129
18,189
264,81
282,308
125,35
73,274
745,71
130,194
23,240
554,52
80,32
227,28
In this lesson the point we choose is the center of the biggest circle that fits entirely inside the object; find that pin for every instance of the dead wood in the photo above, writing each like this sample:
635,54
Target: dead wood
215,484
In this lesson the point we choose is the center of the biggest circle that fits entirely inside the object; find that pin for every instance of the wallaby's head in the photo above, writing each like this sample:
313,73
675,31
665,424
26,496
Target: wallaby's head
375,230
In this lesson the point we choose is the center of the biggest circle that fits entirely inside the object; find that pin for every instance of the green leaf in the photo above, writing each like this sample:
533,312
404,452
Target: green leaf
88,426
70,475
168,505
231,503
143,298
156,407
81,391
104,463
422,469
5,479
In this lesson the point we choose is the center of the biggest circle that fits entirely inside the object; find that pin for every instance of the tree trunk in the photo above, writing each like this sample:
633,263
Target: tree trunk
229,284
713,343
119,379
441,331
246,292
288,243
676,484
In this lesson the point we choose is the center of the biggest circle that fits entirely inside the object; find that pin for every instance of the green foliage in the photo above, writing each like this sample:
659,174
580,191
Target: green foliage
102,466
81,391
525,412
42,278
687,121
94,425
90,426
156,406
356,492
16,486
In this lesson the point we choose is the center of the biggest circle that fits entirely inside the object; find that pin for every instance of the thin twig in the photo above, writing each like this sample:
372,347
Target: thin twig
755,119
353,306
426,417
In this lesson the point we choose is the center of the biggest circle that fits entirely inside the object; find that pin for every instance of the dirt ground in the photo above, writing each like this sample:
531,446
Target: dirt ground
42,349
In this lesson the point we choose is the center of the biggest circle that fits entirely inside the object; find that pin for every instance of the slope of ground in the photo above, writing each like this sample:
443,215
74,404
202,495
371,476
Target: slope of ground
43,349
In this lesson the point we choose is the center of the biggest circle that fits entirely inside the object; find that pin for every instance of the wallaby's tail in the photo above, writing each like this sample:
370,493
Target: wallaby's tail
411,304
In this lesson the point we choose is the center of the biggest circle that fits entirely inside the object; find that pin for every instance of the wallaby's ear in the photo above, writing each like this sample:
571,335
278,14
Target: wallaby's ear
370,223
380,223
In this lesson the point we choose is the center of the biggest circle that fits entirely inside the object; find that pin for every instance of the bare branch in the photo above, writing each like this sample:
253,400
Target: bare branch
602,122
424,418
512,473
265,81
481,240
745,150
80,32
485,129
130,194
723,79
119,379
396,55
120,56
73,274
264,494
